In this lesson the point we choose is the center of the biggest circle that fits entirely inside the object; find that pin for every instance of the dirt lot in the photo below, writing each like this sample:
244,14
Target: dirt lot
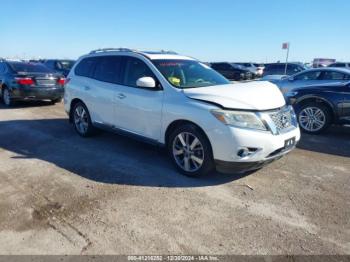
62,194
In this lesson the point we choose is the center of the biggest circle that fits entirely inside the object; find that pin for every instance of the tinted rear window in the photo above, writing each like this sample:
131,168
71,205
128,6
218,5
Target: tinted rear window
84,68
29,68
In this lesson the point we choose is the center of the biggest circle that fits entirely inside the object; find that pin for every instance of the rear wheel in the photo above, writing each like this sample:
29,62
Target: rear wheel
314,118
82,121
190,151
6,97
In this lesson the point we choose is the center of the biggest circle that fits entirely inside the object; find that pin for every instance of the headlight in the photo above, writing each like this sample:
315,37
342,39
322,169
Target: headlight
239,119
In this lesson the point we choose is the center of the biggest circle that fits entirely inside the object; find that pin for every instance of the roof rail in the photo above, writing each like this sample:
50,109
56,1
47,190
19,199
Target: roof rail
168,52
121,49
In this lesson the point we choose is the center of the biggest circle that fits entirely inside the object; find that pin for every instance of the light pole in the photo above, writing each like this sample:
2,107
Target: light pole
286,46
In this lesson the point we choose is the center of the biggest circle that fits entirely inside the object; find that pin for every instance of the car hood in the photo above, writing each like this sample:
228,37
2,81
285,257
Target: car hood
259,95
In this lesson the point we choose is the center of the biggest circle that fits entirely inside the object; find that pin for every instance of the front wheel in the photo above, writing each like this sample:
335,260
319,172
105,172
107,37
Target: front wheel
314,118
190,151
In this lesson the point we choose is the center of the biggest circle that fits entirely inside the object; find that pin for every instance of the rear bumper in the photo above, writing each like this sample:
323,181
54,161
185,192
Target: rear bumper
37,93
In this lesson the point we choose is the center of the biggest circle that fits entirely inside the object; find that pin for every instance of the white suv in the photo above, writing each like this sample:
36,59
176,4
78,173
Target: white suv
181,103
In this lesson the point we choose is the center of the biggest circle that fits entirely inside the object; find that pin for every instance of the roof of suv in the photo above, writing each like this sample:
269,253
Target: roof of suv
153,55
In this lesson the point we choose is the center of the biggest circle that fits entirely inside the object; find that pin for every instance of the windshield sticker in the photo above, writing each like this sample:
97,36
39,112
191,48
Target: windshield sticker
174,80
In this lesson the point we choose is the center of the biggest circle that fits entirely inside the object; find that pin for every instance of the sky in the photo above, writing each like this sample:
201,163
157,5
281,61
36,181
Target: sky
218,30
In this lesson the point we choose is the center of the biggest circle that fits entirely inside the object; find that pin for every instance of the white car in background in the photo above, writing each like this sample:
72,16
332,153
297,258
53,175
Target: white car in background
256,69
182,104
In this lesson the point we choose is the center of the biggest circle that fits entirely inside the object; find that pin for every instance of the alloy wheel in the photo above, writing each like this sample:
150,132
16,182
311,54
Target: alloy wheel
312,119
188,152
81,119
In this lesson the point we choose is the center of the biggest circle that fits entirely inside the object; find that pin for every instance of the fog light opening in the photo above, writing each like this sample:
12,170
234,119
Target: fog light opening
246,151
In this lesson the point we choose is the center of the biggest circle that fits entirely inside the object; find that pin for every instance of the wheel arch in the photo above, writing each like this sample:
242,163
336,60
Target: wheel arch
317,99
180,122
72,104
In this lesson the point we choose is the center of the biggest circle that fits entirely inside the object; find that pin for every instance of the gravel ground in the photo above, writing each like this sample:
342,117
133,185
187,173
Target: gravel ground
62,194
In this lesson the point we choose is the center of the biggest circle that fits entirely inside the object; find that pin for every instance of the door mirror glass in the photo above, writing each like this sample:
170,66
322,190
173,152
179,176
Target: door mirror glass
146,82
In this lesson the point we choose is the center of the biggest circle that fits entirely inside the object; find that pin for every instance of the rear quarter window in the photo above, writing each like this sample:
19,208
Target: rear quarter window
85,67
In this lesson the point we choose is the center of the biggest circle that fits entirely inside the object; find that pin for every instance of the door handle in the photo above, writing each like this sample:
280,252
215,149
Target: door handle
121,96
87,88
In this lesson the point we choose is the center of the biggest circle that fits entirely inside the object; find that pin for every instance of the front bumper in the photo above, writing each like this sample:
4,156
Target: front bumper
239,150
37,93
242,167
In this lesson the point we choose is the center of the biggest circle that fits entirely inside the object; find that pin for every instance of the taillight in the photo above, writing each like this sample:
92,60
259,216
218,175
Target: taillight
26,81
61,81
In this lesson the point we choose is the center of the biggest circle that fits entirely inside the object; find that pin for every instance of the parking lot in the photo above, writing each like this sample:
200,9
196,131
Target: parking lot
113,195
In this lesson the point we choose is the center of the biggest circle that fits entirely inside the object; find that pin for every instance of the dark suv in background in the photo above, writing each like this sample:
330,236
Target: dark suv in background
60,66
279,69
232,71
29,81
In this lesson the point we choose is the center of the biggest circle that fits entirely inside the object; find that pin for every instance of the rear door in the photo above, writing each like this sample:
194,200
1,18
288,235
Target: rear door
100,88
138,110
105,85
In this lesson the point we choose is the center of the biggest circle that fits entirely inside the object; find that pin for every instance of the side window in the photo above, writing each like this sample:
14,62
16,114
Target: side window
339,65
313,75
108,69
333,75
293,69
226,66
135,69
85,67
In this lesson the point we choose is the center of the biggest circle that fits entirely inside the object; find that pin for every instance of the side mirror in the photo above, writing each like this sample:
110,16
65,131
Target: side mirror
291,78
146,82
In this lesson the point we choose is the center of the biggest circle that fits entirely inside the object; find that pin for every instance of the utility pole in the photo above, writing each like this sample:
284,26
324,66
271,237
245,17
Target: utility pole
286,46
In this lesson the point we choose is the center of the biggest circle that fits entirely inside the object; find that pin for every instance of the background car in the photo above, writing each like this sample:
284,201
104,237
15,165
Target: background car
29,81
317,107
256,69
340,64
322,62
278,70
232,71
59,66
316,76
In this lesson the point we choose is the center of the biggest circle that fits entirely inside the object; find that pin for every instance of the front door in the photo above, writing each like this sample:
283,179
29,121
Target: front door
138,110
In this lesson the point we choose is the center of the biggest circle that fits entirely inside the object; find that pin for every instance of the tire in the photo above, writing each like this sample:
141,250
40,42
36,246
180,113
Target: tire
196,161
314,118
6,97
82,120
58,100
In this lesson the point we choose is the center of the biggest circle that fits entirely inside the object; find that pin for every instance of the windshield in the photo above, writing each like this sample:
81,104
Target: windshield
29,68
189,73
65,64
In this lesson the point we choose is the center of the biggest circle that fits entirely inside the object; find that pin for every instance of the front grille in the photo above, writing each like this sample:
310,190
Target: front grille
46,81
283,119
